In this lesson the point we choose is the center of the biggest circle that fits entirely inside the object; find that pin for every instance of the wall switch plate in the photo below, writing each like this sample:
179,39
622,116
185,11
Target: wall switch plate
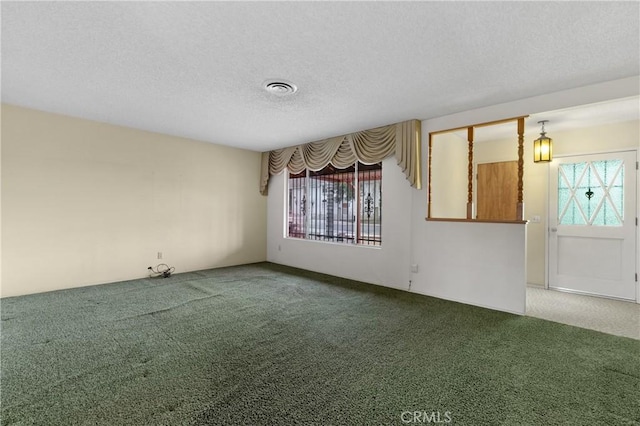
535,219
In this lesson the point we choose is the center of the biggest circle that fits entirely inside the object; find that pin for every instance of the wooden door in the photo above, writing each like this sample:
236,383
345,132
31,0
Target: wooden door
497,191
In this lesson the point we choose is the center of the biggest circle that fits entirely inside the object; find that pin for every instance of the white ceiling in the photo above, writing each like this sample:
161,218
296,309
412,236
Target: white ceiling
196,69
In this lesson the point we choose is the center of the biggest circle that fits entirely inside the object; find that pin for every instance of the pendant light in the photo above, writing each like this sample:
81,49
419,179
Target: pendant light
543,147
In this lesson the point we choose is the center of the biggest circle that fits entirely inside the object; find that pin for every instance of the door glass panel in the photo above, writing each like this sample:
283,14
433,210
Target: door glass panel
608,170
572,173
606,216
615,185
564,195
589,197
591,193
573,215
616,197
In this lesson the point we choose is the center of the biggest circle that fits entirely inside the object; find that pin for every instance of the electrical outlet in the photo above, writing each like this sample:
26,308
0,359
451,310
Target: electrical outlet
159,255
414,268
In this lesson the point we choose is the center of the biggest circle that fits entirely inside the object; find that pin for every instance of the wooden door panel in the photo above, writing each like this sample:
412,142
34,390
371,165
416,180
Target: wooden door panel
497,190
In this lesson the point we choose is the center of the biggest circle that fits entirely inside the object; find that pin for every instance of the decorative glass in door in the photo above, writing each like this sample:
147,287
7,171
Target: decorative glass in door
591,193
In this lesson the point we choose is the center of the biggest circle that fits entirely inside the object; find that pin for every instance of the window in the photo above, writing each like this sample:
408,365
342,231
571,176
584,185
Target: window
591,193
337,205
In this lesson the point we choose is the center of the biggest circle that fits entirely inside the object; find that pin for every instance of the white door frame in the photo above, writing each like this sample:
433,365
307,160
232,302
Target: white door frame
546,237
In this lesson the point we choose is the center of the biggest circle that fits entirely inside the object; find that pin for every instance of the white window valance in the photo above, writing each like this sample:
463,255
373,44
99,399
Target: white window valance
368,146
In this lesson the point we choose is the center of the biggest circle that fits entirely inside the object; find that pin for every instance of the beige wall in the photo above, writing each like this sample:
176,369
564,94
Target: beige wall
450,176
87,203
601,138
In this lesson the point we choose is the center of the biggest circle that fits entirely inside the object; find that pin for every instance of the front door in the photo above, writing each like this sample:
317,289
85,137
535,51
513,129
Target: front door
592,224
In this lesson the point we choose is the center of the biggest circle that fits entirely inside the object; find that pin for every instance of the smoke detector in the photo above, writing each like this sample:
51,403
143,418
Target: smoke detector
280,87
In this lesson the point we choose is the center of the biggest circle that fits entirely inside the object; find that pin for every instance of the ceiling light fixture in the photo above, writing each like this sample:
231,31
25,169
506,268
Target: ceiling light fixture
543,147
280,87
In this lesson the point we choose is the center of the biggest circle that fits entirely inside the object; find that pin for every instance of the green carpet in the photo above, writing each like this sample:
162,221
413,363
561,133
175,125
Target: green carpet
265,344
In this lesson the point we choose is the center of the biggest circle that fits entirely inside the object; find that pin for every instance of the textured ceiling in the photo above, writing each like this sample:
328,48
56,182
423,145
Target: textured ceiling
196,69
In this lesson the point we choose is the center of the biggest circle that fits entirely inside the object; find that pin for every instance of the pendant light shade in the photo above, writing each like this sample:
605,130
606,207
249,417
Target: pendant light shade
543,147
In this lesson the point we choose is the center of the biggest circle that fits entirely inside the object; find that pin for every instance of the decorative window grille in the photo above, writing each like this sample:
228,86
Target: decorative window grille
337,205
370,202
297,204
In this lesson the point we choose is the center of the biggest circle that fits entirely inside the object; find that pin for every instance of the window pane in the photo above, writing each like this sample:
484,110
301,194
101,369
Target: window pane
613,178
606,216
370,188
572,216
332,194
591,193
569,176
563,200
608,170
616,195
335,205
297,205
572,173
